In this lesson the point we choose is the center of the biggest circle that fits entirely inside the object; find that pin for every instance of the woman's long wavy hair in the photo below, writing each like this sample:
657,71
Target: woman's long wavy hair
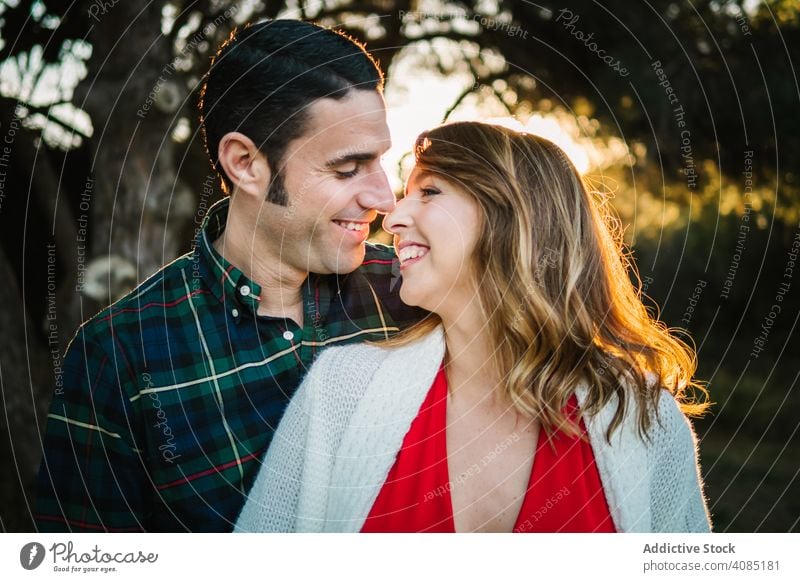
554,282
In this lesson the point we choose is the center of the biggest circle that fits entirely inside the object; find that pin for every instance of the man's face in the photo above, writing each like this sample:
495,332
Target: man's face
336,186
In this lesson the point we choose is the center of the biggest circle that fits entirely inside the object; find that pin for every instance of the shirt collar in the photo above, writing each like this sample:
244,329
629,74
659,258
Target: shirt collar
224,280
227,283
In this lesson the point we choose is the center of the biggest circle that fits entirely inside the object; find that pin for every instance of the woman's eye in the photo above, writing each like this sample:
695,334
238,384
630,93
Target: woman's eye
429,192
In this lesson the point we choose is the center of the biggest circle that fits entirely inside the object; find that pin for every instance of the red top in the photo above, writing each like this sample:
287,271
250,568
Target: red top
564,490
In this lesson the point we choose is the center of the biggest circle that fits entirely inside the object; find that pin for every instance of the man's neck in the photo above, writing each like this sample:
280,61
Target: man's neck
281,285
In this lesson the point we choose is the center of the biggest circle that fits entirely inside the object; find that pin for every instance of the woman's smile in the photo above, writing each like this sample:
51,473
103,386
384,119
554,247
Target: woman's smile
410,252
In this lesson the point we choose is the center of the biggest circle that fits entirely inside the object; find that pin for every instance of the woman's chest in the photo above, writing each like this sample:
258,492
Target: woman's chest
490,459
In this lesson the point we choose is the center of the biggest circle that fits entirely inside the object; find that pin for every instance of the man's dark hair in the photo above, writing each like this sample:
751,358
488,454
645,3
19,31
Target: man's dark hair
264,77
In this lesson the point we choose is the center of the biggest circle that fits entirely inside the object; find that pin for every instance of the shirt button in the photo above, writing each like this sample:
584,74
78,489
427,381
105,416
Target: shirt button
235,312
244,290
288,336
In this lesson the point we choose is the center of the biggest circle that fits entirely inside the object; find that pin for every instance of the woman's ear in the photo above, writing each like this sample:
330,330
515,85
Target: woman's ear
246,167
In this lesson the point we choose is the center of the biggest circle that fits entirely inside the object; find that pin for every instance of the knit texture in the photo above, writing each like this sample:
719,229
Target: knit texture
343,429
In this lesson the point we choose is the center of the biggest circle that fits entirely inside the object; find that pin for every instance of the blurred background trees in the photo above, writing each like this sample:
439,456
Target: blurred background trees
682,115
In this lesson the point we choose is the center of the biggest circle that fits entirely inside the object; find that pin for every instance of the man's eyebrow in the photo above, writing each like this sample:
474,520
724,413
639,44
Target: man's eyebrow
357,157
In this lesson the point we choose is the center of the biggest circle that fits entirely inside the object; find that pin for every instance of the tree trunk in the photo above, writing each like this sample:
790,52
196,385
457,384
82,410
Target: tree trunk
130,75
26,386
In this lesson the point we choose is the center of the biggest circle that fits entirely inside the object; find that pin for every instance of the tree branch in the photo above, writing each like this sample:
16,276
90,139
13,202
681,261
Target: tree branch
45,111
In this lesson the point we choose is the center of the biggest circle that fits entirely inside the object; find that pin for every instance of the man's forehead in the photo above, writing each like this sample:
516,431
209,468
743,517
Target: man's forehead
357,101
353,125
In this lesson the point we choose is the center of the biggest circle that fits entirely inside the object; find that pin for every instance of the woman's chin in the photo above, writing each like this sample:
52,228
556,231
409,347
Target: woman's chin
410,297
430,300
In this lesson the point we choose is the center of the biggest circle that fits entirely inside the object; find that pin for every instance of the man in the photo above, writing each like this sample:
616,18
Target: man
172,394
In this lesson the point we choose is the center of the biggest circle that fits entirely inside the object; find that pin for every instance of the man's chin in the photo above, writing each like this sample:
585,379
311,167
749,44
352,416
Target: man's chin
343,264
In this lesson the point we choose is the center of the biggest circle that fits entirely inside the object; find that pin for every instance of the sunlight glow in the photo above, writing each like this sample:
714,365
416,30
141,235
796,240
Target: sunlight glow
550,127
422,103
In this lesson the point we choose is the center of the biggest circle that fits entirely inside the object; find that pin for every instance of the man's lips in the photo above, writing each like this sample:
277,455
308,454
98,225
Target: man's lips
359,229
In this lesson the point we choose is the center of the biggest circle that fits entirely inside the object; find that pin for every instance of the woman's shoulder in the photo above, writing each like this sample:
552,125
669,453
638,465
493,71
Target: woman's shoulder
348,364
669,410
671,428
667,426
355,356
352,367
352,355
347,378
662,406
667,420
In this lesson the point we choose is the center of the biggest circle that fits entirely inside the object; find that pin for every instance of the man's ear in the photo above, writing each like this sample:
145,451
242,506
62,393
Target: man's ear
244,164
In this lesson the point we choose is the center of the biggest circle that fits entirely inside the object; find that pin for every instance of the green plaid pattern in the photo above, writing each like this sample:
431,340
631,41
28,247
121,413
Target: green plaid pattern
171,395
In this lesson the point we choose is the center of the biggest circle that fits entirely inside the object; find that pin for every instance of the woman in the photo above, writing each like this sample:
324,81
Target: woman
538,396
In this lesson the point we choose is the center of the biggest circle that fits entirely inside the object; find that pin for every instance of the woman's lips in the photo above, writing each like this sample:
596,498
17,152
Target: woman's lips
410,253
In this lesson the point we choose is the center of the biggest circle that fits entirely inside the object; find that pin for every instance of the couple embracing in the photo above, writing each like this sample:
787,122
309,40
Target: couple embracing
494,371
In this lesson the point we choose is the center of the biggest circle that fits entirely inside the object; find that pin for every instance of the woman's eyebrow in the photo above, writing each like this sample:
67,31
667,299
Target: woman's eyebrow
421,175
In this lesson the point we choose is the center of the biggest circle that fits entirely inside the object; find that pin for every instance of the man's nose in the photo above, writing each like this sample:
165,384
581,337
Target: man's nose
376,192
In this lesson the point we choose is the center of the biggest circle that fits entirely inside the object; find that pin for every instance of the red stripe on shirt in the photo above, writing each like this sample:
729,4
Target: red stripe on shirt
85,525
216,469
139,309
226,272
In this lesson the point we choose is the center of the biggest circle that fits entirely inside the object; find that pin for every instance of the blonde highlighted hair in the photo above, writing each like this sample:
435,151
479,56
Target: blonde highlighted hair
554,286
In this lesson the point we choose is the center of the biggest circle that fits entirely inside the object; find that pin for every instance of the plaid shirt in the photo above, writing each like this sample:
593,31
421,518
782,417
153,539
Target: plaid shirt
171,395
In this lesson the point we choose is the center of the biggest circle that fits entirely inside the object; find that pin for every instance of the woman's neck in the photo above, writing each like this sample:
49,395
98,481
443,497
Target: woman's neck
470,362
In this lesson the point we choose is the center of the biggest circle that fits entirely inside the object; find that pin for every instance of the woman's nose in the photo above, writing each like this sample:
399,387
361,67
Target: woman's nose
398,219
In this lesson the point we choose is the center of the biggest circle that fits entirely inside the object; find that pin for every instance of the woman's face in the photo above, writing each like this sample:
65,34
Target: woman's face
436,227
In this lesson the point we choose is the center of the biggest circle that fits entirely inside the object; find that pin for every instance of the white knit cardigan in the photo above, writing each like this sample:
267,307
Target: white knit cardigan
342,431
